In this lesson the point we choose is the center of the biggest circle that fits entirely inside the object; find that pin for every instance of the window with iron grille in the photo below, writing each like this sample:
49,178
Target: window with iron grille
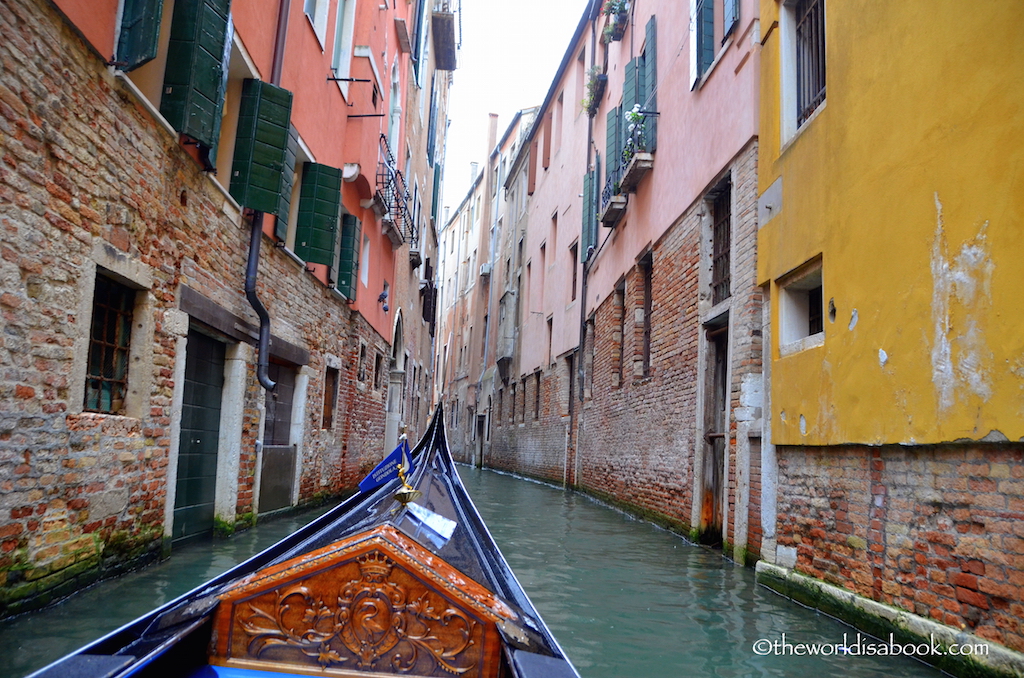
810,57
721,214
106,382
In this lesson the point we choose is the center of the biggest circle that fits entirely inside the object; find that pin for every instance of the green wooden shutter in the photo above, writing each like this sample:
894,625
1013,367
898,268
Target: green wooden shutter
284,208
730,16
319,205
348,256
631,88
195,77
586,236
650,96
613,141
140,33
260,163
705,35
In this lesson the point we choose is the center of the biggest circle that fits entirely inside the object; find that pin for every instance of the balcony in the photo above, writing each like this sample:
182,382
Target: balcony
613,201
639,165
391,200
636,159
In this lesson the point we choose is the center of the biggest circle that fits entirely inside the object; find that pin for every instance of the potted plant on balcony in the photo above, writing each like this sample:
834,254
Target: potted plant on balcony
617,12
635,141
596,83
636,160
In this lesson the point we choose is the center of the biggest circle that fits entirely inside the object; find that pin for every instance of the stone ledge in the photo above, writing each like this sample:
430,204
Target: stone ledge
880,620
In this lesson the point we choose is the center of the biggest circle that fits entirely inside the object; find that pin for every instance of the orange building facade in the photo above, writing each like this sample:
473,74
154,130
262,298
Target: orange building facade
218,277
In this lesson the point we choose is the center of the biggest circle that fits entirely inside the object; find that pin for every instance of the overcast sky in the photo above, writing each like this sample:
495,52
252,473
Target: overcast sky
510,50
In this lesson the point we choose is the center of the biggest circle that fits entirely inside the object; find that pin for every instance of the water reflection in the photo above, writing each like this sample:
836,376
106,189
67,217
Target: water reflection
626,598
33,640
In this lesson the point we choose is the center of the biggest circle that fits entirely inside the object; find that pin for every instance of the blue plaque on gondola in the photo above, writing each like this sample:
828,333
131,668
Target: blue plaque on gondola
387,470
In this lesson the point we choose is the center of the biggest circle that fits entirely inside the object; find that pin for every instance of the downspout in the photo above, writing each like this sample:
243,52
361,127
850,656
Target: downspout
251,271
256,236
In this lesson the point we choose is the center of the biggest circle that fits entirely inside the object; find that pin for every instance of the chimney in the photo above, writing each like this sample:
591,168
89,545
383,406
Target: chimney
473,169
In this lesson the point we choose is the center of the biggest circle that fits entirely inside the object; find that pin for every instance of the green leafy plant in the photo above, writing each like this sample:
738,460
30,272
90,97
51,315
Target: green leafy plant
596,82
615,7
635,141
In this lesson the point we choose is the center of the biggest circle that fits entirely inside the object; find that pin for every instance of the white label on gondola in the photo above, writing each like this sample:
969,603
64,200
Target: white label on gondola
434,521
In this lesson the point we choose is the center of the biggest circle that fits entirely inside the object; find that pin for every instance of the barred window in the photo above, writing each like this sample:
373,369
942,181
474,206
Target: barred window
810,57
721,214
109,340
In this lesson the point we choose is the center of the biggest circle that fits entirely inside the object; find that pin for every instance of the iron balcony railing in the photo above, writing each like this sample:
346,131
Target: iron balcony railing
611,187
393,194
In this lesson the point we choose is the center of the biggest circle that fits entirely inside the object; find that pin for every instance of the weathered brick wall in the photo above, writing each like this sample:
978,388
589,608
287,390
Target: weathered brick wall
535,446
935,530
636,439
84,169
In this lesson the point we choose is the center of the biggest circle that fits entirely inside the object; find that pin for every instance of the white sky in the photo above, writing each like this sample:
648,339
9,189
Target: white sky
510,51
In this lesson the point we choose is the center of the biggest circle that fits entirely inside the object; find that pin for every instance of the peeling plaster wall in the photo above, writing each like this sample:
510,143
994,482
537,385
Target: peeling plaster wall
907,185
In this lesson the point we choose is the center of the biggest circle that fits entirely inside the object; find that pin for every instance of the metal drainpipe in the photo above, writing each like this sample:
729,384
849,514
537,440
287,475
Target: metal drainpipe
256,236
251,272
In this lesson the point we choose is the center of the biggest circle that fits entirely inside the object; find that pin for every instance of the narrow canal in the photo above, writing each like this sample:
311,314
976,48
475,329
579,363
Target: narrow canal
624,598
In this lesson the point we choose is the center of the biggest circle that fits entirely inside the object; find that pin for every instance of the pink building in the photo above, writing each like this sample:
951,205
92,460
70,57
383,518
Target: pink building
639,353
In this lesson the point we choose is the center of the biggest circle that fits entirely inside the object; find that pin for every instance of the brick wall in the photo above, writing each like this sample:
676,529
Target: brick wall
85,172
936,530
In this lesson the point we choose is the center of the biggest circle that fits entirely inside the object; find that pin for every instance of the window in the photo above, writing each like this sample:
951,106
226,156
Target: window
802,44
330,397
702,37
361,367
536,395
346,262
341,58
106,382
378,372
704,40
800,311
721,217
810,57
647,269
316,11
574,252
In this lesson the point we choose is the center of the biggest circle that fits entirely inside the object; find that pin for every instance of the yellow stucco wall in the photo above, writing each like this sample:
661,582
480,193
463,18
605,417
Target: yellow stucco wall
909,184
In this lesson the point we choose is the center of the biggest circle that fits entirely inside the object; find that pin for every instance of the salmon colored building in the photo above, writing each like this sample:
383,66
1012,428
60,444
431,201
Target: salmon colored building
217,280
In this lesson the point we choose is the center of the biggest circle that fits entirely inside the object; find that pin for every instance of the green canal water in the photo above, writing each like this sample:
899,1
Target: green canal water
624,598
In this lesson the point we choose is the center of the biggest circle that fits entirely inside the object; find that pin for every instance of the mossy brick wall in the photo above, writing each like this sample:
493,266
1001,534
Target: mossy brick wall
83,165
934,530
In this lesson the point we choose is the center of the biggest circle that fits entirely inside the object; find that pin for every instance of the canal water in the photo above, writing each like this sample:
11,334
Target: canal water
624,598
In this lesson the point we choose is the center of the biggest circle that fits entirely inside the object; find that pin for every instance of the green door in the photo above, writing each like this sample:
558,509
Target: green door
200,432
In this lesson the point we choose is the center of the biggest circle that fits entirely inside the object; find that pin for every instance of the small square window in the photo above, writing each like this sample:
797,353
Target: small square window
800,313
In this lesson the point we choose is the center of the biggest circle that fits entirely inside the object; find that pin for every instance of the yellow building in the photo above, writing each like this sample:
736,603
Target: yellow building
891,248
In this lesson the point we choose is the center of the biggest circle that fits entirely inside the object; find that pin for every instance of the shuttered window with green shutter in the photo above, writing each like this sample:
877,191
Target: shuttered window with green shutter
613,141
650,97
140,33
348,256
284,208
632,95
319,206
587,235
258,168
196,74
705,21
